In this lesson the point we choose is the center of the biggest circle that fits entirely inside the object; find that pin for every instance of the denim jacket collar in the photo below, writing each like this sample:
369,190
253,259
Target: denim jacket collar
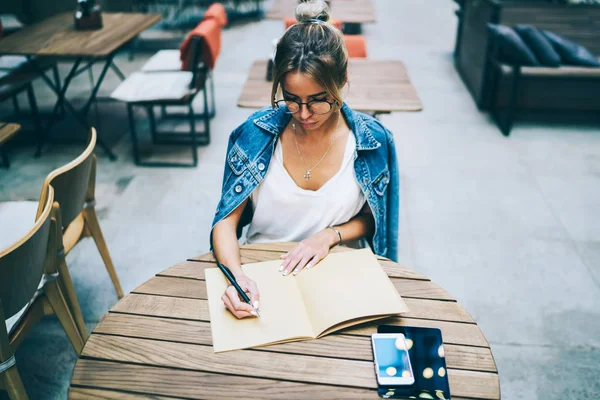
276,120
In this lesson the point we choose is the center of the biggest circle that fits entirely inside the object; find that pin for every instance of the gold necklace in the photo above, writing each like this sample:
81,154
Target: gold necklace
309,170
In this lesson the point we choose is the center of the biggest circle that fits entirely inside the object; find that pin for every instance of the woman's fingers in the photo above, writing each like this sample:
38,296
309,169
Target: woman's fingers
237,307
303,262
229,306
252,290
313,261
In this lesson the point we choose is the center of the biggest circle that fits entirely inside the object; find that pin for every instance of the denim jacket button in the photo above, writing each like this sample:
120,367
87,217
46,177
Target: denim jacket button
238,189
261,167
234,159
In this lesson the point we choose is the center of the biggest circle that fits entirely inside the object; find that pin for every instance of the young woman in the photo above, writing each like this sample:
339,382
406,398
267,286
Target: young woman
307,169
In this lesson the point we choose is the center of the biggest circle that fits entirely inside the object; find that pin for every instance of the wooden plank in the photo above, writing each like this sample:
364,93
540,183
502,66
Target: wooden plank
351,347
392,269
452,332
76,393
7,131
420,290
197,309
161,306
335,346
260,364
171,286
56,36
436,310
196,289
200,385
479,385
187,269
249,363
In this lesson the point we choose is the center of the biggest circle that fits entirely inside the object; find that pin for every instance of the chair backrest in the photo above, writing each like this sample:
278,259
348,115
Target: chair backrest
356,45
218,12
71,182
201,46
22,264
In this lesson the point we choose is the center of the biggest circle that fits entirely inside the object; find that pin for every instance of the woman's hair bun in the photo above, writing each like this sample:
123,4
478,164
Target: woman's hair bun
312,9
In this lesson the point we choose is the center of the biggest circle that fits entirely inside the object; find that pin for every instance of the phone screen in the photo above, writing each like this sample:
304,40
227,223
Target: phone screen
427,359
392,357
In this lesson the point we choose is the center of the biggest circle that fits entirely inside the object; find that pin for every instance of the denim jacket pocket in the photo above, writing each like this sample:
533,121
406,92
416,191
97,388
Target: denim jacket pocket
380,183
237,159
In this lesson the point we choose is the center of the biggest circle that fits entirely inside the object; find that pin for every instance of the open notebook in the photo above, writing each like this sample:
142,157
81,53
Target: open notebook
344,289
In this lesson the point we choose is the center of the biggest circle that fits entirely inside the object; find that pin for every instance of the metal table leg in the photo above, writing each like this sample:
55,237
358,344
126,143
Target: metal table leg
80,115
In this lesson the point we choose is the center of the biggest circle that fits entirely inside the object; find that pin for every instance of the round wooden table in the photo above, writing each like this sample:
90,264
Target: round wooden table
156,342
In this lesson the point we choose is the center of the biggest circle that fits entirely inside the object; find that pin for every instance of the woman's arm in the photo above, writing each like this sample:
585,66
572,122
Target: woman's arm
313,249
227,251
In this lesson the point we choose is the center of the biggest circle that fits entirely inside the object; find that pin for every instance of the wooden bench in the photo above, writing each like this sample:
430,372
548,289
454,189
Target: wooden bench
496,86
7,131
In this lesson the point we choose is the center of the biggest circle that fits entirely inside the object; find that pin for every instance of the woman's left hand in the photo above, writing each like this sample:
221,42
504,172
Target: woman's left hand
307,253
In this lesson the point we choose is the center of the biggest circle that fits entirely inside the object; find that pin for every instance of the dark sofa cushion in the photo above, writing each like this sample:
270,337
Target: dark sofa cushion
571,53
539,44
511,48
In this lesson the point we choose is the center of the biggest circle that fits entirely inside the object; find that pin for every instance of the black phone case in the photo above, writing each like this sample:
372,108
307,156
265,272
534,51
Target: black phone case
424,353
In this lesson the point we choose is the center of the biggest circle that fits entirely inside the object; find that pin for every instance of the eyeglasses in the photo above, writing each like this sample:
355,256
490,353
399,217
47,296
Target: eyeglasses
314,107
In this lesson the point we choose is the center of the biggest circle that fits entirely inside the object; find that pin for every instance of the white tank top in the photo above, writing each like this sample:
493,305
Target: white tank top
284,212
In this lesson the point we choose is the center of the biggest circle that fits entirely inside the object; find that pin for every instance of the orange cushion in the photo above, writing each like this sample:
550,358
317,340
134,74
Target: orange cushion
288,21
356,45
217,11
210,31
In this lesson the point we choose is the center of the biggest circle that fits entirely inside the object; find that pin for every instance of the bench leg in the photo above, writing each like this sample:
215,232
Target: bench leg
512,102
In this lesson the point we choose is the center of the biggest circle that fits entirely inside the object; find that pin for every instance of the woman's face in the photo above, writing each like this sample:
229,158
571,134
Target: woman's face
303,89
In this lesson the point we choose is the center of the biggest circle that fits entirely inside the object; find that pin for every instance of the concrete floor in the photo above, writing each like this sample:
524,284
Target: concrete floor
508,226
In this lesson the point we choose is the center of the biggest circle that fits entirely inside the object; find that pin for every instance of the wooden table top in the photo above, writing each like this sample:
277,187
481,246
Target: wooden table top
353,11
57,37
156,342
8,130
380,86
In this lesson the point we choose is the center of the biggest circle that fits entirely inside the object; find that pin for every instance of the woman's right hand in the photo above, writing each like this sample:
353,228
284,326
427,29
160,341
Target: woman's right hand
235,304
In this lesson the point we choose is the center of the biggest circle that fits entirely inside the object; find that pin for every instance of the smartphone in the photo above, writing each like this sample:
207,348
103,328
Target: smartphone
428,361
392,363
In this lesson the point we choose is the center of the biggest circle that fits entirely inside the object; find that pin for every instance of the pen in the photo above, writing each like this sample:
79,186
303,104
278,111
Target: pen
227,272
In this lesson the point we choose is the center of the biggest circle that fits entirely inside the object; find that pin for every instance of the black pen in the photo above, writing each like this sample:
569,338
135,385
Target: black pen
227,272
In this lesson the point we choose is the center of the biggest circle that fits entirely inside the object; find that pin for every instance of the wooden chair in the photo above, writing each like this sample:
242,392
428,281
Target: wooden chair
74,189
32,287
174,88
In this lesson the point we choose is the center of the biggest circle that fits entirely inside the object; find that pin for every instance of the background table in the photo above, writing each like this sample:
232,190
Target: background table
57,38
378,86
156,341
350,11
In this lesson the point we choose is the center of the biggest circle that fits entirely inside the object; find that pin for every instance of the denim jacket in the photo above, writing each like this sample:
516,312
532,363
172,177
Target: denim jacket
251,147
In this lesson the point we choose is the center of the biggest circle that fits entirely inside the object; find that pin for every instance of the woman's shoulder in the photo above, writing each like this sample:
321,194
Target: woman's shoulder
250,122
372,126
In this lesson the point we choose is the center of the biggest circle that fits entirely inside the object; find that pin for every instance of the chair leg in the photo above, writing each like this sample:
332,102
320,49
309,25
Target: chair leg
13,384
61,309
206,118
213,112
91,220
152,118
16,106
67,288
193,132
134,142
